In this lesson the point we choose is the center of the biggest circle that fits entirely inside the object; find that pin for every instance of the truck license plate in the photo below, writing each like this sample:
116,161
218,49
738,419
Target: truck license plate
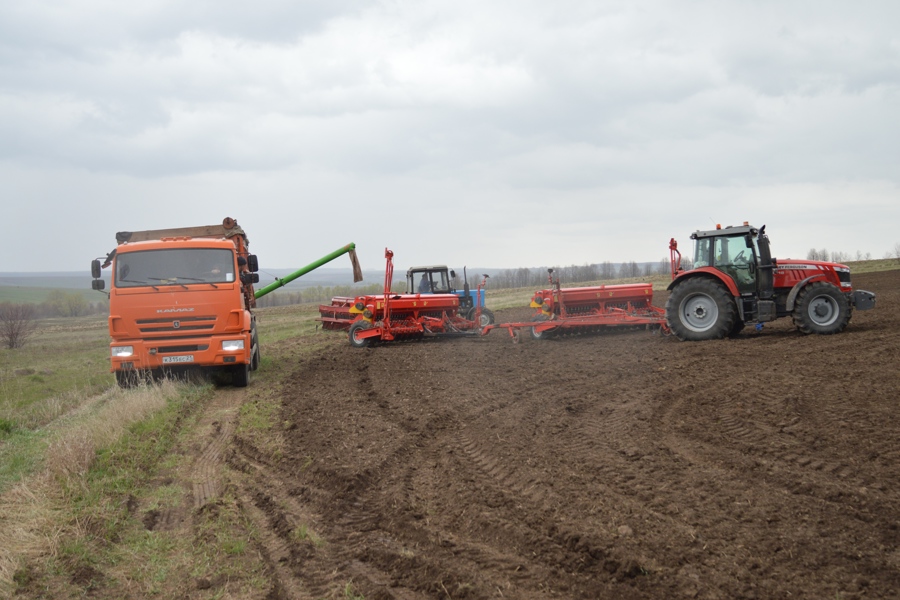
184,358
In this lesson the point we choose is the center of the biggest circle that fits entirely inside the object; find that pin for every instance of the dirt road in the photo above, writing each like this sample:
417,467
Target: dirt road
621,465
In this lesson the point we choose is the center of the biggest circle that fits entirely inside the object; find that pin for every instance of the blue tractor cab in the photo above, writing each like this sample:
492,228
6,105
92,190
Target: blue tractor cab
438,279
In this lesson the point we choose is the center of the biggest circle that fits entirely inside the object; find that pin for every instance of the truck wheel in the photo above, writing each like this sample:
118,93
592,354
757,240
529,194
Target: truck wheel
821,308
240,375
700,309
358,326
487,317
255,357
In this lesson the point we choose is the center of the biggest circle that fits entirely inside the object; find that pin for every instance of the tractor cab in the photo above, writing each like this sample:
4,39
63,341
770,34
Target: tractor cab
743,254
435,279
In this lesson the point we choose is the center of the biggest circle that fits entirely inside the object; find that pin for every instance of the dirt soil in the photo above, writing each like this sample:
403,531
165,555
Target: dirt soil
617,465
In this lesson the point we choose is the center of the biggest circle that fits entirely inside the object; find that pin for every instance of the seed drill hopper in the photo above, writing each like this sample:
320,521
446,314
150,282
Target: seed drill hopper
588,309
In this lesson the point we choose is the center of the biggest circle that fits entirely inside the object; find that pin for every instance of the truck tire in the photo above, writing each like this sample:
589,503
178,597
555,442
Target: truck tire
700,309
487,317
354,329
254,344
240,375
821,308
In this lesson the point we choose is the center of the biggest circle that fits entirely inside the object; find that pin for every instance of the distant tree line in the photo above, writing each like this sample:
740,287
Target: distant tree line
839,257
321,294
605,271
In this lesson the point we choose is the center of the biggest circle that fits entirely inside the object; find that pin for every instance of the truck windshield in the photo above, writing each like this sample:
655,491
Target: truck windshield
174,267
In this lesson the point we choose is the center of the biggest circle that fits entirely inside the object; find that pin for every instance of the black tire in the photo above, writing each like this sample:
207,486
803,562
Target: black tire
254,360
487,317
821,308
240,375
700,309
540,335
254,345
356,327
737,328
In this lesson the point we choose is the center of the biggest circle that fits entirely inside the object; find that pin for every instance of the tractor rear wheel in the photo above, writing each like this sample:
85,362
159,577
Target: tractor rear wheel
355,340
821,308
700,309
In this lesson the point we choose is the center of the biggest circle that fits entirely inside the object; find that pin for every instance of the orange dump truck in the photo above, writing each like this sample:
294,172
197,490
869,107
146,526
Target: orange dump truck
181,298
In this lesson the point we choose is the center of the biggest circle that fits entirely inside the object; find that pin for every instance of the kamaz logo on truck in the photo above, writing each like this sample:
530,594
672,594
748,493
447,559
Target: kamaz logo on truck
174,310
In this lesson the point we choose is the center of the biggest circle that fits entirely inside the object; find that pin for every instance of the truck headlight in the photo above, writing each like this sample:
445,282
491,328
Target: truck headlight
121,351
232,344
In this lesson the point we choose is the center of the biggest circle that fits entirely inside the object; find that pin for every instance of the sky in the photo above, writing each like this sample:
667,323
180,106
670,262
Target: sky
496,134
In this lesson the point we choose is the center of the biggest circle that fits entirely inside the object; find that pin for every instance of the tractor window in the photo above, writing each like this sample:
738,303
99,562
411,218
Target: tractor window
441,282
734,257
732,250
701,253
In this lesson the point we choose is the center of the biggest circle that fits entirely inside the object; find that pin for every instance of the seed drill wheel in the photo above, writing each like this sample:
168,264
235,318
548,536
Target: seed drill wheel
701,309
540,335
821,308
355,340
487,317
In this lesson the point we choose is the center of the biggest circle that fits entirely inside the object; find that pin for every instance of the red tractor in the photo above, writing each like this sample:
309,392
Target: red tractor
735,281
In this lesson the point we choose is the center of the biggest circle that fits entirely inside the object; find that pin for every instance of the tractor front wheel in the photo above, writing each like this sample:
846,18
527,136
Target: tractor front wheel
821,308
700,309
355,340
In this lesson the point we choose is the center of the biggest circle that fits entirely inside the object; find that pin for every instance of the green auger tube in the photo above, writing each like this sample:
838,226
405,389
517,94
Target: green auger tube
351,248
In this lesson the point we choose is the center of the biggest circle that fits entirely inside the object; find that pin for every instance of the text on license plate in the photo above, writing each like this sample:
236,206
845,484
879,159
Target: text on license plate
183,358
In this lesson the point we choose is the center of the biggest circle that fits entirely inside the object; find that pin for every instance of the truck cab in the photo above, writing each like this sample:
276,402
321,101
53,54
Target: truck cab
181,300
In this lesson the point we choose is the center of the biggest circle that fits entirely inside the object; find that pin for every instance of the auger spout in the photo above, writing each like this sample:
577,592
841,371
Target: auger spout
349,248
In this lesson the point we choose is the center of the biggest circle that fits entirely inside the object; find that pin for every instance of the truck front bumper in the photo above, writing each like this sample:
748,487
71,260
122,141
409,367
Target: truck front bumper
184,352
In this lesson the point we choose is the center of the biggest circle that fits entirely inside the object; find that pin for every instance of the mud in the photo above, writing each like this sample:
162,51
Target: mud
618,465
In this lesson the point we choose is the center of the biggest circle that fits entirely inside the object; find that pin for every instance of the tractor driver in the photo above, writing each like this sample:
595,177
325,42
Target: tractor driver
424,284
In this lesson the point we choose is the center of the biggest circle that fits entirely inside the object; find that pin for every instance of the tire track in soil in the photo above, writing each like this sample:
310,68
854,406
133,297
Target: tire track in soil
480,468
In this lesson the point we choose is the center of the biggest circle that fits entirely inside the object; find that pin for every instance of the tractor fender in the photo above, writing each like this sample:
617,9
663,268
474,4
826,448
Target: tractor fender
795,291
710,272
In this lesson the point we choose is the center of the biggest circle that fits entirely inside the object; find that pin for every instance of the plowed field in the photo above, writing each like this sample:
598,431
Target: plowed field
619,465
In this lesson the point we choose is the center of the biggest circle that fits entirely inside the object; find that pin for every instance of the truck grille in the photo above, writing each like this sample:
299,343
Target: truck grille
180,349
167,324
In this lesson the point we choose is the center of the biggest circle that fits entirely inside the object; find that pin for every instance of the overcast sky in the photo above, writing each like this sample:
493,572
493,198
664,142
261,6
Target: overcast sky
502,134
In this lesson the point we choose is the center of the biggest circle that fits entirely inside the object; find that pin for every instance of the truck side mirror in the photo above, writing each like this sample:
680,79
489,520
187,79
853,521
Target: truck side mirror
249,278
452,273
98,284
252,263
95,268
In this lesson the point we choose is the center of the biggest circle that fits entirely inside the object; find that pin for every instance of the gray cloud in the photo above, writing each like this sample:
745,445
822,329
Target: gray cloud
530,114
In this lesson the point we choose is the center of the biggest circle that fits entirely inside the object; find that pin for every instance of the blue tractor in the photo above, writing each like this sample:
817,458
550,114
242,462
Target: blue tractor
438,279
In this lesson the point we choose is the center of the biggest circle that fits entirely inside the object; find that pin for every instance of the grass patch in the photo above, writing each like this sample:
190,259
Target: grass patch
95,462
